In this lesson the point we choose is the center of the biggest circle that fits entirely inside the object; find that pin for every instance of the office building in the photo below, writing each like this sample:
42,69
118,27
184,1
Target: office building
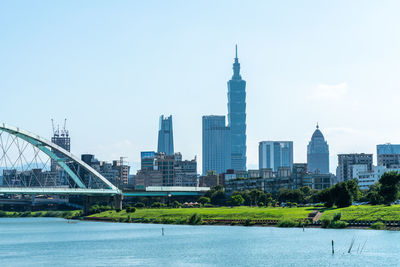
216,144
185,171
346,162
237,117
165,136
367,178
275,154
388,155
147,159
318,153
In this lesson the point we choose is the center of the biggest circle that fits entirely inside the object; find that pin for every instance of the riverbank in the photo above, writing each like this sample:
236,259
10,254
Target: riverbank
354,216
73,214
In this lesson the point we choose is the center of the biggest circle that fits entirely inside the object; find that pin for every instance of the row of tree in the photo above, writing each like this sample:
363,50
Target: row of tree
343,194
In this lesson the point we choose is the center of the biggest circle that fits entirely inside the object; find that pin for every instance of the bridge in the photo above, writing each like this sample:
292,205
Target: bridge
33,165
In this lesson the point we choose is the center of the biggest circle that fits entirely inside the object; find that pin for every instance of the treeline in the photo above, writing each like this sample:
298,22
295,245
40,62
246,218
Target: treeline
342,194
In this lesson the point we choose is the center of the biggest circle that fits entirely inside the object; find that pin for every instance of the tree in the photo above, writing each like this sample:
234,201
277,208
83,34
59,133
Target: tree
204,200
218,197
255,196
342,195
390,187
236,200
326,197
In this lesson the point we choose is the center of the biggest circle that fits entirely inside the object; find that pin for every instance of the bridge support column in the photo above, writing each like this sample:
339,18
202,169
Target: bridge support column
86,205
118,202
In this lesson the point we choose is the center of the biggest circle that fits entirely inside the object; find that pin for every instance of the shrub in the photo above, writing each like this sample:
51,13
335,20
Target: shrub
139,205
157,205
248,222
260,204
378,226
117,210
287,223
130,209
338,224
325,223
195,219
337,216
3,213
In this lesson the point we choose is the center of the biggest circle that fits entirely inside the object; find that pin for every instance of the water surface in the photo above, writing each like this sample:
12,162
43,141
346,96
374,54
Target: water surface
54,242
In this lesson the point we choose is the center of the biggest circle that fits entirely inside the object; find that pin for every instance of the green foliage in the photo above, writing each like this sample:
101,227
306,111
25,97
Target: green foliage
218,198
3,213
158,205
248,222
204,200
291,195
342,194
338,224
176,204
337,216
287,223
378,226
325,223
195,219
130,209
139,205
390,187
236,200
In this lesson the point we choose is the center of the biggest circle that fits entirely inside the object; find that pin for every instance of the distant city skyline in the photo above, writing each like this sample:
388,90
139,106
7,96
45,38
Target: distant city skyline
112,69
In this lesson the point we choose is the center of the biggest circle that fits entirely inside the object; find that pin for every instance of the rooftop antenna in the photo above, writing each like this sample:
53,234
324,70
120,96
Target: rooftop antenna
236,50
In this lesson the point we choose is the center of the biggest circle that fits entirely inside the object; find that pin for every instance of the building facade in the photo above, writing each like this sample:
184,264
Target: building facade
388,155
346,162
216,144
367,178
237,117
275,154
318,153
165,136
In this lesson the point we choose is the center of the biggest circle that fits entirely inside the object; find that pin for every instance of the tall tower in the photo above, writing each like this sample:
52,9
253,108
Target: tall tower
216,145
165,136
237,117
318,153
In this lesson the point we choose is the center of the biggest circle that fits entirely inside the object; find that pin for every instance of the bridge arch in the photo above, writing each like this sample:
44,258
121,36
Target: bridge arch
67,162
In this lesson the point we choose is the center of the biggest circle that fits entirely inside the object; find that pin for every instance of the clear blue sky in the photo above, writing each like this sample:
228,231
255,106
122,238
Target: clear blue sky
113,67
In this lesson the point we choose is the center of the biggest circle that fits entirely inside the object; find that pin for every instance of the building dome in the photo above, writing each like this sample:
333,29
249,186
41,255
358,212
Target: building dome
317,134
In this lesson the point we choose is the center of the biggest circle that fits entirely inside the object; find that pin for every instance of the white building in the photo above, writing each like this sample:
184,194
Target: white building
367,178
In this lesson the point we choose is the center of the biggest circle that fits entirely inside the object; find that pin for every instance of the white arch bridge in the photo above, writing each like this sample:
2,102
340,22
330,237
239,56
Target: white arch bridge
30,164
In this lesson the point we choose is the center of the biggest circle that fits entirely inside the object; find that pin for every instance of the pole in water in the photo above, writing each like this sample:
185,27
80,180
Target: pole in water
162,231
303,227
333,248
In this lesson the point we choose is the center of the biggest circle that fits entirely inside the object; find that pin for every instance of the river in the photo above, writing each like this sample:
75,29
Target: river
55,242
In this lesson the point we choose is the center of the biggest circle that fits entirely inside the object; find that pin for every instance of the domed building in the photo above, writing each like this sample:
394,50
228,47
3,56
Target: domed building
318,153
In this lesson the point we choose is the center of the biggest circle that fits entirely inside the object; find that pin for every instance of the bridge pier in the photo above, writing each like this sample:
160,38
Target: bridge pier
86,205
118,202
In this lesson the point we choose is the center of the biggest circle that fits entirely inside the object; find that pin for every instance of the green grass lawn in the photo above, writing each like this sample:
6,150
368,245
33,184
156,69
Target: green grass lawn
227,213
365,213
60,214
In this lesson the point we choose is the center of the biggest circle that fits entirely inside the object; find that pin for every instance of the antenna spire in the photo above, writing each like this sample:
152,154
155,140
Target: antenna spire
236,50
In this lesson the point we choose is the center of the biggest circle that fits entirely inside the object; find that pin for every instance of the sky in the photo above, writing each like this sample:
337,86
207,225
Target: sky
113,67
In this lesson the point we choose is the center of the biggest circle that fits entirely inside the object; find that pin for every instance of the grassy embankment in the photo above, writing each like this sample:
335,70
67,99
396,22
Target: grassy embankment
365,213
181,215
59,214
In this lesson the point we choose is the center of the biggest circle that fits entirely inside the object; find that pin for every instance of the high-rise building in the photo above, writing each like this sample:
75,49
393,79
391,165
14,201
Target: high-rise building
275,154
216,144
165,136
147,160
237,117
388,155
318,153
346,162
62,139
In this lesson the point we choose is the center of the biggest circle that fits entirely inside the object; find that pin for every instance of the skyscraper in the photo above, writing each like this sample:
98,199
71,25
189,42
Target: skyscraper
318,153
275,154
237,117
165,136
348,162
216,145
